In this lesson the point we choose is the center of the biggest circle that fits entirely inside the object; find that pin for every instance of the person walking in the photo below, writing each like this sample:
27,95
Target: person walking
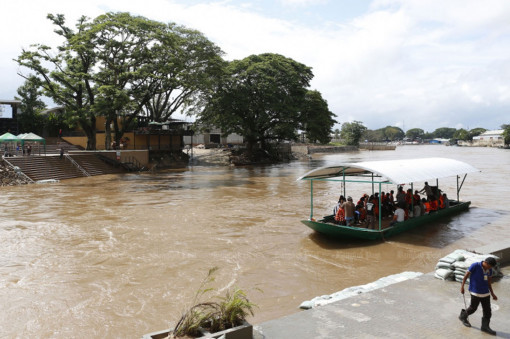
480,276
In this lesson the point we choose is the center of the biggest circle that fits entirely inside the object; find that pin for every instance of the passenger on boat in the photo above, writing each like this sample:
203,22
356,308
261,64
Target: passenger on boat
401,196
433,205
340,216
409,200
446,201
426,206
399,215
349,209
416,204
361,213
341,200
371,206
428,190
390,203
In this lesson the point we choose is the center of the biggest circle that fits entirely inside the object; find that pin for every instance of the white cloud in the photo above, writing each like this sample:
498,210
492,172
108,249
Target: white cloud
423,64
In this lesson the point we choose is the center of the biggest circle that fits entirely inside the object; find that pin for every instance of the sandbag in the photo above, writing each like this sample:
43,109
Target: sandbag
444,274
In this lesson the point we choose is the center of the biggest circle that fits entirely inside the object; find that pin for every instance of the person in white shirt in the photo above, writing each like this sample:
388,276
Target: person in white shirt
399,214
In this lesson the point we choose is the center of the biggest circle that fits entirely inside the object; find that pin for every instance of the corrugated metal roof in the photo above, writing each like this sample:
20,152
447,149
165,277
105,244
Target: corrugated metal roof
396,171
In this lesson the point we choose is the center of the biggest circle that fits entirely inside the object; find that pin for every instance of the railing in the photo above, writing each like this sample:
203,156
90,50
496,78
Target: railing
20,172
136,164
77,165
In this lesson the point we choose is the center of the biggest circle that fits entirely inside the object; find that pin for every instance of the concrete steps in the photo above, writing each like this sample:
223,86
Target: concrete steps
46,167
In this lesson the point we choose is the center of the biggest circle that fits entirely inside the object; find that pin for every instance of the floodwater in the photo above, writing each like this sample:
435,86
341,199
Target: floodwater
120,256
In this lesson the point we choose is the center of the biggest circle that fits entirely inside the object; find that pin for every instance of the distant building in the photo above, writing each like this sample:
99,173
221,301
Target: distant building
213,138
439,141
492,138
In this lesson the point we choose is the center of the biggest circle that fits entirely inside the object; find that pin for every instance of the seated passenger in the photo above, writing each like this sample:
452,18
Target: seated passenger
349,209
361,213
399,215
340,216
426,206
341,200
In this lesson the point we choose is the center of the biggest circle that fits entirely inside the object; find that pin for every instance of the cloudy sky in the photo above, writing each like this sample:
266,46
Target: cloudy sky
408,63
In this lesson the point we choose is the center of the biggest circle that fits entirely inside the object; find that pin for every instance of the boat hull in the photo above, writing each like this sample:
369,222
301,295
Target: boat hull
352,232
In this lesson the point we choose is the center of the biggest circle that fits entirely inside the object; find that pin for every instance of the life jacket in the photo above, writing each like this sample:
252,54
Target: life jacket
441,202
376,206
433,205
417,199
427,206
340,215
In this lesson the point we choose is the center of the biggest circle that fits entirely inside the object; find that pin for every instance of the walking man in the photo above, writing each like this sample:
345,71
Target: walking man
480,276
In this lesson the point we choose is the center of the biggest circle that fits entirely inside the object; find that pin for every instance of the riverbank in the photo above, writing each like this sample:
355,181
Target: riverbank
421,307
9,177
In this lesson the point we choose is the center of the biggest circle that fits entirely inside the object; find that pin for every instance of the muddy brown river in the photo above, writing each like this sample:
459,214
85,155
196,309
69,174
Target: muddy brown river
120,256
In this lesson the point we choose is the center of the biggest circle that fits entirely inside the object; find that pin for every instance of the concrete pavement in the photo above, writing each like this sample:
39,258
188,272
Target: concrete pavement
423,307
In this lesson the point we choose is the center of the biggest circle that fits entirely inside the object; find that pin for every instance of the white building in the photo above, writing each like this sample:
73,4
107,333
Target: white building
213,138
492,138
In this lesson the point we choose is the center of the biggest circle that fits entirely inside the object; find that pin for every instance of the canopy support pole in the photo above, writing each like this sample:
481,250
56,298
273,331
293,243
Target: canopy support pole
343,181
311,199
460,187
379,202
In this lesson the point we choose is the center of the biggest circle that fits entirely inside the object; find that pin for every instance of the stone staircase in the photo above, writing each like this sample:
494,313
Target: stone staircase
46,167
94,165
67,167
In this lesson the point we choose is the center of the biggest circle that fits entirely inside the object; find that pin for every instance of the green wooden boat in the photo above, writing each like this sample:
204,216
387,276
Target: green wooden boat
378,173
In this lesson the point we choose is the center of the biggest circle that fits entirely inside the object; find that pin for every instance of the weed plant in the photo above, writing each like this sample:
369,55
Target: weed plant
213,316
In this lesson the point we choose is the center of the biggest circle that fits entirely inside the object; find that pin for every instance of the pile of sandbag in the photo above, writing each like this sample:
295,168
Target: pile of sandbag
455,265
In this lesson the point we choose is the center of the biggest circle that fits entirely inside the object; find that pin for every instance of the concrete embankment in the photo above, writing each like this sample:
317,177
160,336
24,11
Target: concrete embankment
322,149
423,307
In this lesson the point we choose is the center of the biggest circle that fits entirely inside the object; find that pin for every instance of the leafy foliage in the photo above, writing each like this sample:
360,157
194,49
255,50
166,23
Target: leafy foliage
506,133
444,132
352,132
415,133
259,97
120,66
316,119
30,119
230,311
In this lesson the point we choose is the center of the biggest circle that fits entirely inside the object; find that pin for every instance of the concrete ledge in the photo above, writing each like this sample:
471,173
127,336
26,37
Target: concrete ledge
500,249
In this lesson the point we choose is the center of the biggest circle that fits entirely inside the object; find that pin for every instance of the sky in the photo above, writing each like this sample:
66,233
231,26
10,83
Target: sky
408,63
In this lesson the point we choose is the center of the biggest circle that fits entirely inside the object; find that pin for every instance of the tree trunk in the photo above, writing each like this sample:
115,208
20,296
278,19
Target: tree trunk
107,135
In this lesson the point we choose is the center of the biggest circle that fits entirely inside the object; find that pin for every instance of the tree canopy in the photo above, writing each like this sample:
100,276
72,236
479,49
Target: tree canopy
415,133
260,97
30,119
316,118
121,66
352,132
506,133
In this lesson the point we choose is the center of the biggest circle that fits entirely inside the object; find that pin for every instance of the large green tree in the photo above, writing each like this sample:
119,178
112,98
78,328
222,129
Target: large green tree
475,132
352,132
120,67
260,97
461,134
150,67
444,132
415,133
316,119
65,74
30,118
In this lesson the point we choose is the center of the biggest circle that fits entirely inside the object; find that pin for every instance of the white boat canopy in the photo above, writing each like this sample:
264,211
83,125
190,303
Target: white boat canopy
395,171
